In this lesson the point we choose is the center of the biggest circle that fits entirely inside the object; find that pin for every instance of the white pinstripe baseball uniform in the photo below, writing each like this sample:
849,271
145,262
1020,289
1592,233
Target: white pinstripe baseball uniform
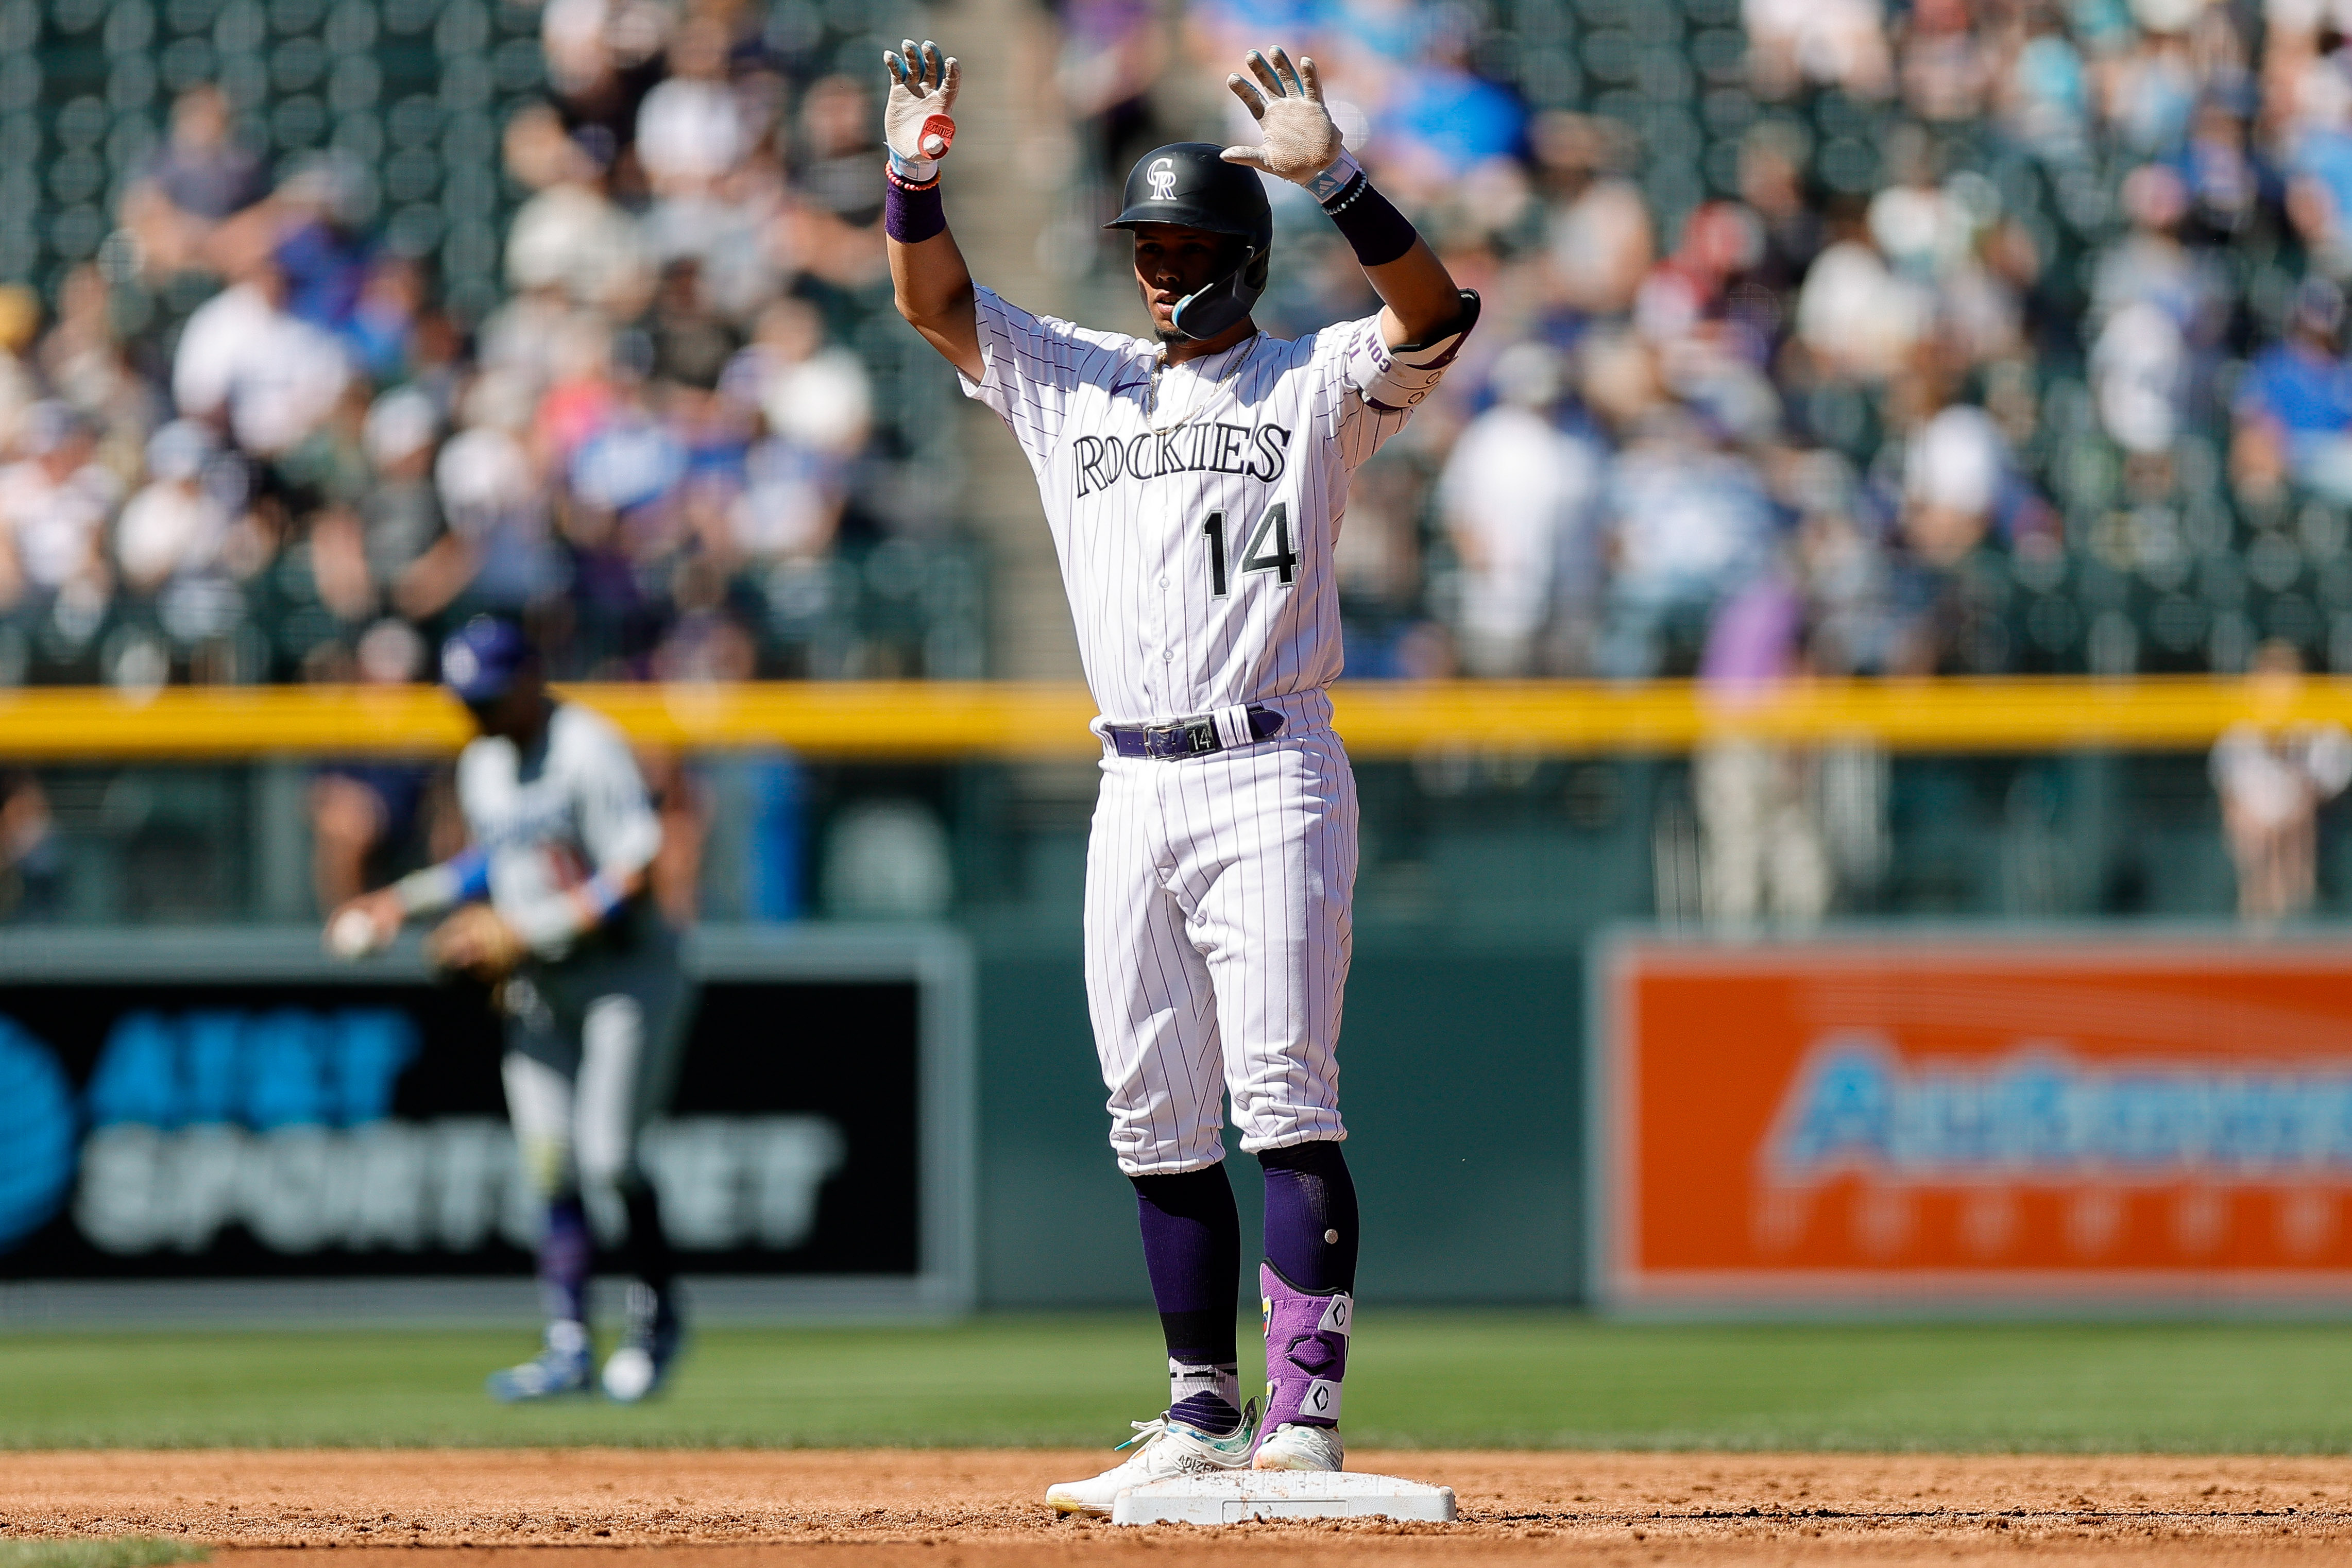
1195,521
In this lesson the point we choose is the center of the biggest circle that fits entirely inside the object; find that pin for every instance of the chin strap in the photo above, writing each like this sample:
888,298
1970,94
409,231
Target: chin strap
1203,313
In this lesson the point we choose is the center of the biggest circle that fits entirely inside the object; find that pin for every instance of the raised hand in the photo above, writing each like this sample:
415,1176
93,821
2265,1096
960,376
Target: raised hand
1297,138
917,120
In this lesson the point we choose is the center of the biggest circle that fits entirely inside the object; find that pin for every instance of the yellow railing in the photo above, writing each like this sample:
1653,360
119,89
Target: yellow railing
1004,719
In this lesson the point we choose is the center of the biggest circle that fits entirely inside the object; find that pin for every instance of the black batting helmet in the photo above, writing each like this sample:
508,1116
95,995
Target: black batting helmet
1187,184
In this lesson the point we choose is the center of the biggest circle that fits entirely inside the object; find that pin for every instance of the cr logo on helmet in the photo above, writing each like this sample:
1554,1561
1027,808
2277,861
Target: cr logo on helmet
1162,175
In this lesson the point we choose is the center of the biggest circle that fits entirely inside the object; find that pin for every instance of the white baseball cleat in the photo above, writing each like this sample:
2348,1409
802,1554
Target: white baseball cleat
649,1345
1289,1447
1169,1450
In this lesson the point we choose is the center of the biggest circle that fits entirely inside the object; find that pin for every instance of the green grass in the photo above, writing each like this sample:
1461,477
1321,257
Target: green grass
104,1551
1525,1379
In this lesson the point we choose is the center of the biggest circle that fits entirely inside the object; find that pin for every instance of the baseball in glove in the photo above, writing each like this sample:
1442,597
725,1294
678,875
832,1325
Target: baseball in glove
476,940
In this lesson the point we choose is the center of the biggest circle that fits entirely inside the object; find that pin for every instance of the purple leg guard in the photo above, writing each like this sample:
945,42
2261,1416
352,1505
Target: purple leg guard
1306,1350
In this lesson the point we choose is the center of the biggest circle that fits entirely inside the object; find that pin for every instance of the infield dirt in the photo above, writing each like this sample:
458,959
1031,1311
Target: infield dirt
980,1508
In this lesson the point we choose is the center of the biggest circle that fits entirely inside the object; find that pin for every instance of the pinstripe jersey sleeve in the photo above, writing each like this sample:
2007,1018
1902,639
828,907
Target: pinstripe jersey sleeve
1032,367
1355,428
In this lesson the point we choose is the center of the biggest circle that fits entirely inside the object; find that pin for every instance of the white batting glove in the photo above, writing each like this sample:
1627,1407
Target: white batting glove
1297,140
916,124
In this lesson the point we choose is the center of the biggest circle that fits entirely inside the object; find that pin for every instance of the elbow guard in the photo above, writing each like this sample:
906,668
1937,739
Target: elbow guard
1394,380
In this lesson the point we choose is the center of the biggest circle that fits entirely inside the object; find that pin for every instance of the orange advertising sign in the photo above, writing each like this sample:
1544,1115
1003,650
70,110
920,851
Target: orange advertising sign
1909,1121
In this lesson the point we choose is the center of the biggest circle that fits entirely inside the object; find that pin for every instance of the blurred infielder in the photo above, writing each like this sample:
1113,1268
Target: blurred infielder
1195,488
588,976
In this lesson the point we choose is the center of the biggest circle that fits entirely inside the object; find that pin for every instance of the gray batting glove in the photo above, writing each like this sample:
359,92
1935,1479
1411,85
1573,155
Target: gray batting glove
916,123
1297,138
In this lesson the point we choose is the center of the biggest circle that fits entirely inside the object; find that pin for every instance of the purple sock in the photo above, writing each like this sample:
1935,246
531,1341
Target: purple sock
1192,1248
566,1255
1310,1215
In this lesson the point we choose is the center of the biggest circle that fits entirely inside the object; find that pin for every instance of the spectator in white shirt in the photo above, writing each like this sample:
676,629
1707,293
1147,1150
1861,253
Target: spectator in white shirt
1953,471
2273,782
247,366
689,128
55,505
813,394
1518,495
173,527
570,237
818,406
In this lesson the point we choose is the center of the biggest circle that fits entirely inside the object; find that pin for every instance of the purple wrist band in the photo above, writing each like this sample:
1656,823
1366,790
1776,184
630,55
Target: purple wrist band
1371,223
912,213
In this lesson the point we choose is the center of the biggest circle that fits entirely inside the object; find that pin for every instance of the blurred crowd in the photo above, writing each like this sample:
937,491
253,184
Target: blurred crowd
1961,336
1974,336
1838,337
613,354
1835,336
255,438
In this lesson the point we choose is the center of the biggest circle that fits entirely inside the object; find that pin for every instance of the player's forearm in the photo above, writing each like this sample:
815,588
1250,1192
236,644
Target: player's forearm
1419,293
933,291
602,896
928,279
462,877
552,924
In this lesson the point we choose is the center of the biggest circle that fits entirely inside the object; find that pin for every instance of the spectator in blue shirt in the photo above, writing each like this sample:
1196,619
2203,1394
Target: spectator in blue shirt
2295,405
1442,121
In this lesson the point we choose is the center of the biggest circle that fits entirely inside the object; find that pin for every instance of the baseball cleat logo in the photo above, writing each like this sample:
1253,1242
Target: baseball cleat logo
1162,175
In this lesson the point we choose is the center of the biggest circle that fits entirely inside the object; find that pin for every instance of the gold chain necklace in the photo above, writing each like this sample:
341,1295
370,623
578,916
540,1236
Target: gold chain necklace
1151,388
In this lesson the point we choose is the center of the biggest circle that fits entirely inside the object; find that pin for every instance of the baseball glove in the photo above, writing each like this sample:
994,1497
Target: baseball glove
476,940
1297,138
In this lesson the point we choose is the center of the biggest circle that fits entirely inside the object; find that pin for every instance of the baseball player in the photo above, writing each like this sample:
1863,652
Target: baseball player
551,908
1194,483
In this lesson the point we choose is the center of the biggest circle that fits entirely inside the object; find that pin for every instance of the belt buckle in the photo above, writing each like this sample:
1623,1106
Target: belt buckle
1184,738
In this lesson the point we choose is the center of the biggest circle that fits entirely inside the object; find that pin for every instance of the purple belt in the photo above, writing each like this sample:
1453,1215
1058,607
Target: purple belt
1194,737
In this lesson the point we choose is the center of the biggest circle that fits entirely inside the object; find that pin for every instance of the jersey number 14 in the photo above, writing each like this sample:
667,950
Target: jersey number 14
1283,560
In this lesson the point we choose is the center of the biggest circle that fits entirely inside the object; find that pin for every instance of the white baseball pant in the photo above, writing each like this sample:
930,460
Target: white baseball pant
1218,932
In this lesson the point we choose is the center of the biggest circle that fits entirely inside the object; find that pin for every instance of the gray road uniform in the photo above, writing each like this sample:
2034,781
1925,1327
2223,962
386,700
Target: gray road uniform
594,1021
